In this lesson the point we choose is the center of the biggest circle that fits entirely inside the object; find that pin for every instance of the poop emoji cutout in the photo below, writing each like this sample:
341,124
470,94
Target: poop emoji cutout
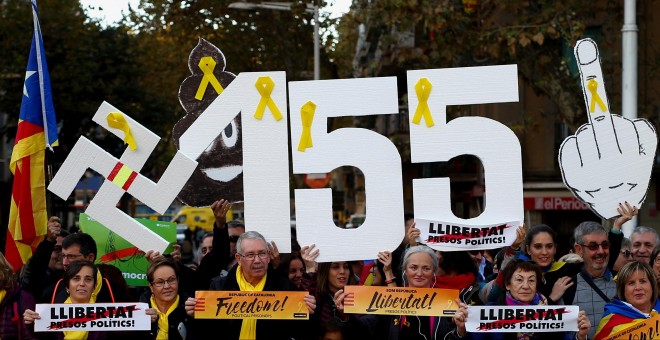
220,169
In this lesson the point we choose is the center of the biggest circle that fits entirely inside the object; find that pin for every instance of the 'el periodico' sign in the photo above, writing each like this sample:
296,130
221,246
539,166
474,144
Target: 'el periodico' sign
522,319
92,317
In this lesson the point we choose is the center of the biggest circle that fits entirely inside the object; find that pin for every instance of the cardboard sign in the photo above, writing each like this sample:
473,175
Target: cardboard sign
448,236
513,319
647,329
434,139
92,317
610,159
400,301
115,250
253,305
220,167
123,176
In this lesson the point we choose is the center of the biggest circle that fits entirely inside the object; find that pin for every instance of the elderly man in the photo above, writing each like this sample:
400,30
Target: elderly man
252,273
594,285
644,240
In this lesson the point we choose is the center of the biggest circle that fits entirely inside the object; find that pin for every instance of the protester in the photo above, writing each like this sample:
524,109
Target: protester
45,266
82,247
293,267
165,302
253,273
14,301
81,279
206,245
595,285
636,296
643,240
521,279
458,271
624,256
324,282
419,266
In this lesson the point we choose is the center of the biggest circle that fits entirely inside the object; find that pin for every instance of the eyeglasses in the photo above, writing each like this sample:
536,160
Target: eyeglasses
626,253
72,257
657,260
476,252
161,283
250,257
594,246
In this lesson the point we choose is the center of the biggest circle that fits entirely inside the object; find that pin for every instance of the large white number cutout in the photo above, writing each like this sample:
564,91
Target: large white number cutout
265,150
372,153
492,142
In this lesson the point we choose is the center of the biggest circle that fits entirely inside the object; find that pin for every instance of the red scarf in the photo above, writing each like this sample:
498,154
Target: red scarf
459,281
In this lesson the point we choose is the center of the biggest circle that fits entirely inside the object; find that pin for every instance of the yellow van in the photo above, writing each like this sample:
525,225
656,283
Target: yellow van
194,218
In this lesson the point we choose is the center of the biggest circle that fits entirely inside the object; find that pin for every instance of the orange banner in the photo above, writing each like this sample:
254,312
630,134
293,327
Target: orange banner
400,301
253,305
647,329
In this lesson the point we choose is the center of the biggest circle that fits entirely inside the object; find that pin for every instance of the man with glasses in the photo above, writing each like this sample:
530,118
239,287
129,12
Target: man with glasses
48,255
253,273
82,247
594,285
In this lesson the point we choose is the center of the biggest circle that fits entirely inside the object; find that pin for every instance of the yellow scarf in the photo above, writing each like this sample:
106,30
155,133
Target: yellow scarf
3,293
163,324
249,326
82,335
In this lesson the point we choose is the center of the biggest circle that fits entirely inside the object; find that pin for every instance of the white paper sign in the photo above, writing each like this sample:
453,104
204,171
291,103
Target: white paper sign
525,319
92,317
433,139
445,236
610,159
372,153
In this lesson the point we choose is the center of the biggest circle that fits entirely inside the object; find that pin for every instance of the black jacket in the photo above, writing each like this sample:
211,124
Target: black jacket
36,275
266,329
179,323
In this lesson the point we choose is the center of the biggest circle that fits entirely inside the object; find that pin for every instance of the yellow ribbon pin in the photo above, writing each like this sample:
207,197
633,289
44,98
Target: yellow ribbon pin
592,85
265,87
207,65
307,115
116,120
423,90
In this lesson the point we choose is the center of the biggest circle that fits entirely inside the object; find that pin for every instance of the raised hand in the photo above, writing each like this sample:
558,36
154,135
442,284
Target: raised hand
309,255
54,228
608,160
220,208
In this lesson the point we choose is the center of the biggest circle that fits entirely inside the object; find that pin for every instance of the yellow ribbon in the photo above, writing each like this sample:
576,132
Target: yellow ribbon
265,87
307,115
116,120
207,65
592,85
423,90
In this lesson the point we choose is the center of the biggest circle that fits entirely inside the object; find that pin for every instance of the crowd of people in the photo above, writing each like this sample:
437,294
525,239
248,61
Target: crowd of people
613,280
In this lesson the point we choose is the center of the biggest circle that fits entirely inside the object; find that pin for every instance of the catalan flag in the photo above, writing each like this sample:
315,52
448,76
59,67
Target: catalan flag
36,130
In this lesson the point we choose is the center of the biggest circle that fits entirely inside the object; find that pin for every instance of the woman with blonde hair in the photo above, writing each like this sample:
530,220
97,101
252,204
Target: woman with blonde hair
636,291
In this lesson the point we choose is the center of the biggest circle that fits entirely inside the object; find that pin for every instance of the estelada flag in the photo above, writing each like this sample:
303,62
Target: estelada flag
36,130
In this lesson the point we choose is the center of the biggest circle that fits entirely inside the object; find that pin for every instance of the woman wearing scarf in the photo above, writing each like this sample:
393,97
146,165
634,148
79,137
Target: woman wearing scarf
636,296
541,247
419,266
165,303
521,279
82,281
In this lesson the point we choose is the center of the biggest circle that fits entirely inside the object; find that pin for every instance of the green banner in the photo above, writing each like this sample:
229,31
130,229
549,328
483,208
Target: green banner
115,250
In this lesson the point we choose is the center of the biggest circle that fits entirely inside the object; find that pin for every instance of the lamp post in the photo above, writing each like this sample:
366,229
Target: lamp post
286,6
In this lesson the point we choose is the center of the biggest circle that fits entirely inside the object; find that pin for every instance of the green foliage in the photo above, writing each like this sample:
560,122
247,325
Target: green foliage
448,34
